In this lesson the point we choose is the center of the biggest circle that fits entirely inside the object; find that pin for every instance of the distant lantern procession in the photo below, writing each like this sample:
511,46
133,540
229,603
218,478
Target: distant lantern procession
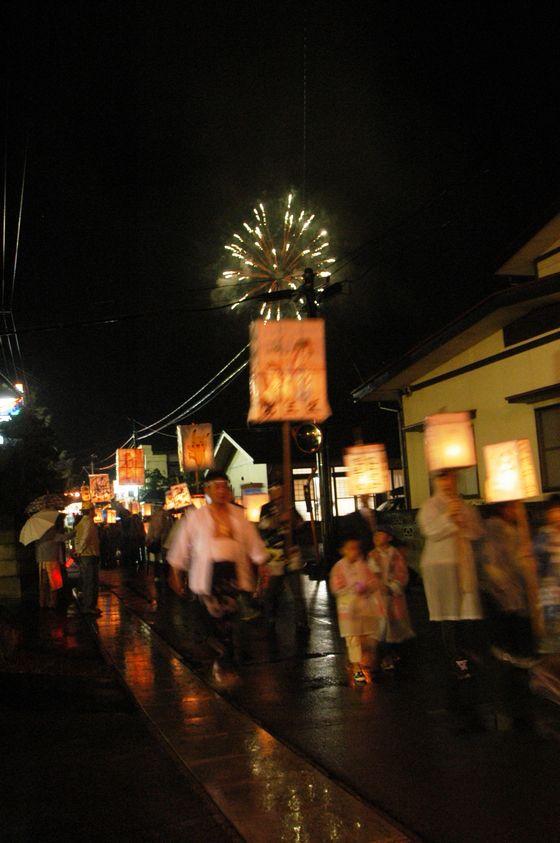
449,441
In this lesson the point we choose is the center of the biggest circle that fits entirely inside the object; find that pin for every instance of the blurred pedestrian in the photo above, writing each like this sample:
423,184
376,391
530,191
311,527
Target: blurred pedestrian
217,547
354,586
87,550
450,527
50,556
285,562
158,530
360,524
506,609
547,552
389,565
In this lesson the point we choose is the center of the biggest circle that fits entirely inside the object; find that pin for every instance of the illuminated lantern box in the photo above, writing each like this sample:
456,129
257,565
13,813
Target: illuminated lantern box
510,471
134,507
253,504
100,488
367,470
111,516
449,441
98,517
146,510
85,493
130,467
288,379
195,446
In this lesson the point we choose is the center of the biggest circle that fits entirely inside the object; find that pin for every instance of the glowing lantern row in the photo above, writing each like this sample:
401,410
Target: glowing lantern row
130,466
510,471
367,470
449,441
253,504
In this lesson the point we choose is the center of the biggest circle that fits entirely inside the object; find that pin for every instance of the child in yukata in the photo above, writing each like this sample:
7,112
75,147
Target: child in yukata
390,569
354,586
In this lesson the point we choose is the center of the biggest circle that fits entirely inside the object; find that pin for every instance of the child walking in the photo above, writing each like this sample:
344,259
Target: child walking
354,586
389,566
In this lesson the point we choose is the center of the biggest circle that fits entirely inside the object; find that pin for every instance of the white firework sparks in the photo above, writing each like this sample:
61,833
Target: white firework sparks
272,256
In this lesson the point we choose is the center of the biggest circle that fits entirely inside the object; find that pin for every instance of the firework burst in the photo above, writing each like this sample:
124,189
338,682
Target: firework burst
269,256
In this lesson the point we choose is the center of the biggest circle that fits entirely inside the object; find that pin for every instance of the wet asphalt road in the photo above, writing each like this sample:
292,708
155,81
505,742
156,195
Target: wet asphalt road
392,742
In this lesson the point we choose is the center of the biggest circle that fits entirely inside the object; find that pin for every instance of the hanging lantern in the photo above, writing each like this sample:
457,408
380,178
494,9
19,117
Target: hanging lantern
85,493
100,488
198,501
449,441
98,517
510,471
253,504
288,379
134,507
180,495
367,470
130,467
111,516
146,510
195,445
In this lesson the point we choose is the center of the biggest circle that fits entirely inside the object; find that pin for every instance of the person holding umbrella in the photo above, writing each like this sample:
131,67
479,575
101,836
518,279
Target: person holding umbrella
46,529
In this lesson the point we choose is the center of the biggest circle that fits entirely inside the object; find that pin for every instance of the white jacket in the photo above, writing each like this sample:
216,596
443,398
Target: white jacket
191,548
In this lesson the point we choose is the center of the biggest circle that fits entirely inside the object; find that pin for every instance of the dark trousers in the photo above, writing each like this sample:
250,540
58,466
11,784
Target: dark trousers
89,570
220,632
273,594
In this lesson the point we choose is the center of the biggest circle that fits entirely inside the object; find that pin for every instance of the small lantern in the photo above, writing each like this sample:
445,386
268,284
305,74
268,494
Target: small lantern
98,517
134,507
168,501
198,501
449,441
85,493
253,504
367,470
510,471
111,516
146,510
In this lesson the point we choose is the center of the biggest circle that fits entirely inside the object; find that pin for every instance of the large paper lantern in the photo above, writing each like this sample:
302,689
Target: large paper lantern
100,488
367,470
288,379
253,505
510,471
449,441
195,445
130,466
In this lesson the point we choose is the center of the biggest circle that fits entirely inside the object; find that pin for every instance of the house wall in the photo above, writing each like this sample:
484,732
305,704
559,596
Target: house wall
243,470
153,461
483,390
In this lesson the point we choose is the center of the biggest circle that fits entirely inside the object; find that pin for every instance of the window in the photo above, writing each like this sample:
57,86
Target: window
548,432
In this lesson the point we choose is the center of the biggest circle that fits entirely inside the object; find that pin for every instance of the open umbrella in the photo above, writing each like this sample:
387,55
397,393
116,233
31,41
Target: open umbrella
45,502
36,526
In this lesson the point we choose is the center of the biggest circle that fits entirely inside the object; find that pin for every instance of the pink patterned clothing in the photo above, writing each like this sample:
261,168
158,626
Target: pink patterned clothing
389,565
355,587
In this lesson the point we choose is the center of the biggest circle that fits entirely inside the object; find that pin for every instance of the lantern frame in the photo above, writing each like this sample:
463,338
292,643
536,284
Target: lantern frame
449,441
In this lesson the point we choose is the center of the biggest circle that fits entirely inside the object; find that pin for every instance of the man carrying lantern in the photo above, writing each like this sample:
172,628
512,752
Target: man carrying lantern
450,527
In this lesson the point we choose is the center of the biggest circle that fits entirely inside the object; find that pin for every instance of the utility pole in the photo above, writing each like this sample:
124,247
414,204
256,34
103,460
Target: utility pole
92,457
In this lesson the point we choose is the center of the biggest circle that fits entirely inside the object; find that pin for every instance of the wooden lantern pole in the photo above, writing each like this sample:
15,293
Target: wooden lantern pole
287,480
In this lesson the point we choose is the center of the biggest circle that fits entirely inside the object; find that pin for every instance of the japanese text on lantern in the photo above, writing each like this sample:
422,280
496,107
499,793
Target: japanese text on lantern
100,488
195,446
367,470
288,380
130,466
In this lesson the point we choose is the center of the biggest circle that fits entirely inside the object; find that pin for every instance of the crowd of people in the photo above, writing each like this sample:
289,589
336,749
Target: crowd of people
492,590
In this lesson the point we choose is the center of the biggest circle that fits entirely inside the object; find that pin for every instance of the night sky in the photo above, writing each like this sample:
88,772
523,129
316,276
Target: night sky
154,128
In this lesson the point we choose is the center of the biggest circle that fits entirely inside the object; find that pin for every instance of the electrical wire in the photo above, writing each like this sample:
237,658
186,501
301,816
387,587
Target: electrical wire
202,403
202,388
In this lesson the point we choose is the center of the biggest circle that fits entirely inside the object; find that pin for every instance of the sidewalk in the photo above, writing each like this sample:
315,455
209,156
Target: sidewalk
78,761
